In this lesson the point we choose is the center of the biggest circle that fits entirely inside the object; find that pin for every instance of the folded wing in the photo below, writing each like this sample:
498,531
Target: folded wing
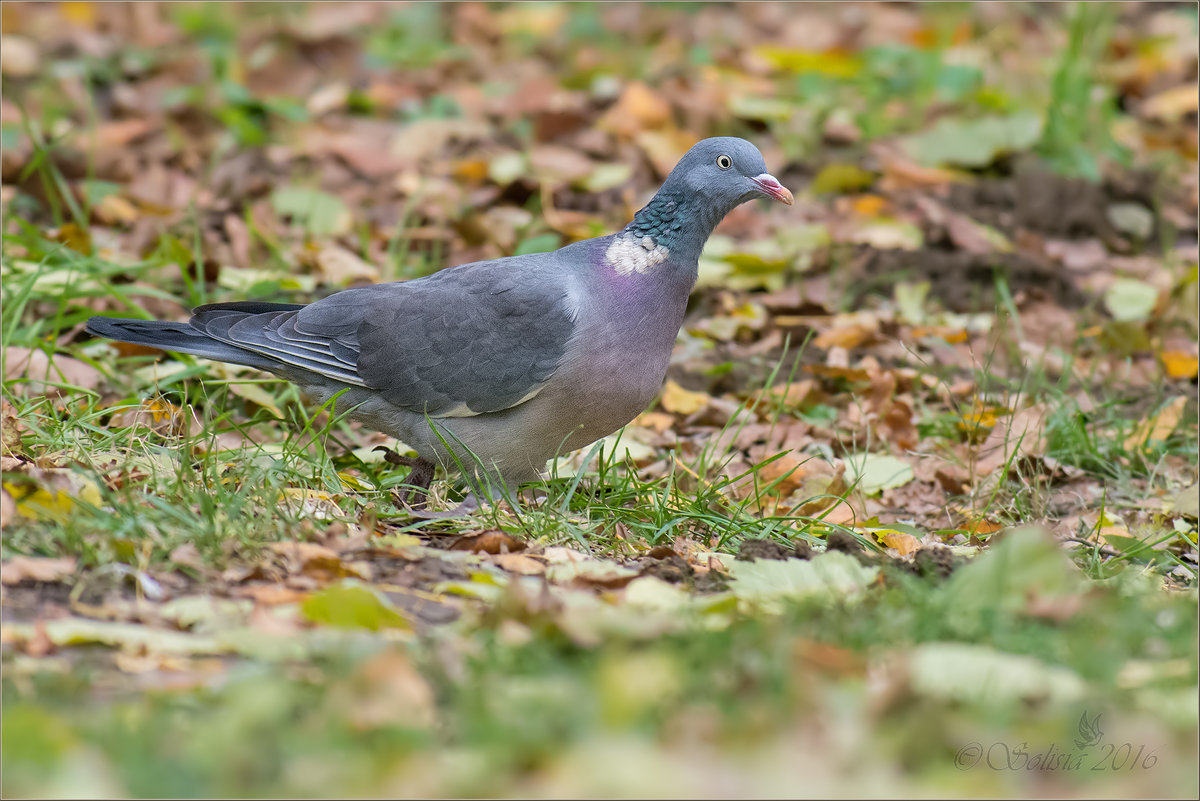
479,342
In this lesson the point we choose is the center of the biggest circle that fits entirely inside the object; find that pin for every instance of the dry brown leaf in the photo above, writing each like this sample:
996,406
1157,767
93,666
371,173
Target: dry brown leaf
663,148
388,691
554,164
493,542
8,508
11,431
316,561
789,465
1172,103
902,542
639,108
828,658
115,210
189,556
1158,427
120,133
36,568
655,421
1021,434
851,336
269,594
41,370
340,267
19,56
1057,609
520,564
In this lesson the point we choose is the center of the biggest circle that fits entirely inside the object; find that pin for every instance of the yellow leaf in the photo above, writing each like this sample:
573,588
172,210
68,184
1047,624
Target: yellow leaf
869,205
837,63
55,498
983,416
677,400
1158,427
1173,103
116,210
356,483
904,543
80,13
850,336
1180,364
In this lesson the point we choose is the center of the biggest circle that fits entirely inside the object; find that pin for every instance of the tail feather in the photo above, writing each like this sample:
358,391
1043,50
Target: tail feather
179,337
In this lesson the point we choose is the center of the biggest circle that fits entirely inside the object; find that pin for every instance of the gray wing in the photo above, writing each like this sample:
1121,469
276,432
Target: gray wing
469,340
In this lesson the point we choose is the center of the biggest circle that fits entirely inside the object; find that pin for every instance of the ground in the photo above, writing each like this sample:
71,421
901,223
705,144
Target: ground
915,512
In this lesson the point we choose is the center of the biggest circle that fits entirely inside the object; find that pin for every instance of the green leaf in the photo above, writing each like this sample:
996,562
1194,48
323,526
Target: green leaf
978,674
830,575
606,176
876,472
1026,562
351,605
320,213
1128,300
507,167
542,243
764,109
974,143
838,178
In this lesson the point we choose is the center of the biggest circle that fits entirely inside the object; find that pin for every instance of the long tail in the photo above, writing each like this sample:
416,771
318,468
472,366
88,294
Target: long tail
185,338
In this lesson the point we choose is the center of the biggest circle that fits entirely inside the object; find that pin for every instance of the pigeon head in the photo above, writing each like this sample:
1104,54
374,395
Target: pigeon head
712,179
726,172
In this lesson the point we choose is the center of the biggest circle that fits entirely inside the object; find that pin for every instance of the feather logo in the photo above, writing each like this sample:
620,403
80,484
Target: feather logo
1089,732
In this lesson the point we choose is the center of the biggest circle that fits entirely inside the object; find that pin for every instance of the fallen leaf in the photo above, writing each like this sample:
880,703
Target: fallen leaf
493,542
1020,434
677,400
902,542
875,472
520,564
1186,502
52,494
851,336
1130,300
388,690
36,568
320,213
978,674
839,178
974,143
591,574
831,575
354,606
340,267
1158,426
40,372
1172,104
315,561
19,56
639,108
1179,363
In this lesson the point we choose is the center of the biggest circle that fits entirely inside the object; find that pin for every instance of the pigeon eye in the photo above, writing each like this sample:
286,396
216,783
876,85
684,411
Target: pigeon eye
724,162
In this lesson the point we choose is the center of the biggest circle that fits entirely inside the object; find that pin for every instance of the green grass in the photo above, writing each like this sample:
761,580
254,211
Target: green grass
541,686
500,712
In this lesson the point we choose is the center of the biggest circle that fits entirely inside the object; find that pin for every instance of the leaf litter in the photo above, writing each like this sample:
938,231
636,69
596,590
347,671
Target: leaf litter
860,390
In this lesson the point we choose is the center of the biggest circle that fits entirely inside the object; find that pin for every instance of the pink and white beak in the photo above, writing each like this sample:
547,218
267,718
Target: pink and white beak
769,186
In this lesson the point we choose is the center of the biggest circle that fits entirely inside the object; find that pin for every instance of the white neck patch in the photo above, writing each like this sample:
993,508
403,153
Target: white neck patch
630,254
